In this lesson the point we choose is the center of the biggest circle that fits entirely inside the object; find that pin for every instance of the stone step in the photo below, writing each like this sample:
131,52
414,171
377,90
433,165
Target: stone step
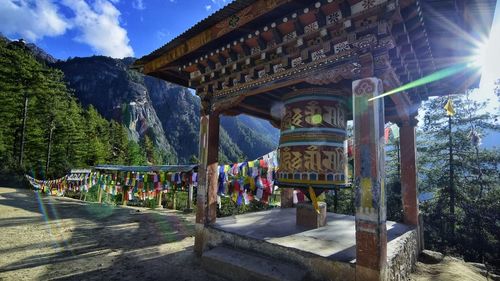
237,264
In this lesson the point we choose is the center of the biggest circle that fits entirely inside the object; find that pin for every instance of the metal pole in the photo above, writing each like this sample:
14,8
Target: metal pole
451,183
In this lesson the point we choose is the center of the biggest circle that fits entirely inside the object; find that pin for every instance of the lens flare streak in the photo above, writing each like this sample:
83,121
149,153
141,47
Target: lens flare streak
438,75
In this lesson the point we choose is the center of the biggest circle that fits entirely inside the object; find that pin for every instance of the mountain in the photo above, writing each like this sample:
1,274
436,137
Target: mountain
117,93
165,112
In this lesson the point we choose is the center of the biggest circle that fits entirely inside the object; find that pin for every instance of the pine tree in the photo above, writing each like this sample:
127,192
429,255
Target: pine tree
471,230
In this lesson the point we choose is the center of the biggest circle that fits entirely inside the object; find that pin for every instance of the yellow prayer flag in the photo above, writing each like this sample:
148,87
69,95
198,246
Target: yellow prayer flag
314,199
450,111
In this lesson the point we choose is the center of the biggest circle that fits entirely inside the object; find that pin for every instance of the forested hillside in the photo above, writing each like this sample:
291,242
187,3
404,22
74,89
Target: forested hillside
87,111
43,128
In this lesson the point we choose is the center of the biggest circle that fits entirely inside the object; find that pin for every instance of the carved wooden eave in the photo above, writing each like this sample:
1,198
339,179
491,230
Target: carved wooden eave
243,57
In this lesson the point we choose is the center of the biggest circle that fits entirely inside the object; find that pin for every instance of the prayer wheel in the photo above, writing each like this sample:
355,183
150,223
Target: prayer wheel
313,131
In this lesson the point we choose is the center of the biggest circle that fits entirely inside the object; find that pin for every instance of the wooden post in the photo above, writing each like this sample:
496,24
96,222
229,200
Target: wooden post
190,197
336,200
371,232
174,197
206,206
409,173
124,196
159,197
100,193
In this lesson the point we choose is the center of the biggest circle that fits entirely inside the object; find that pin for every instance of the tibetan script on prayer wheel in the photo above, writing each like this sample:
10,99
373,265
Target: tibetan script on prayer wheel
313,131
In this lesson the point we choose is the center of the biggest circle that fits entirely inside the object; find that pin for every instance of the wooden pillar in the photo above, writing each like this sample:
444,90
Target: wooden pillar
286,197
409,172
206,206
371,231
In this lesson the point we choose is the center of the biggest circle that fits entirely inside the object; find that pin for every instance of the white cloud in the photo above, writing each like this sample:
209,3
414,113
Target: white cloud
100,28
208,7
97,25
138,4
220,3
163,34
31,20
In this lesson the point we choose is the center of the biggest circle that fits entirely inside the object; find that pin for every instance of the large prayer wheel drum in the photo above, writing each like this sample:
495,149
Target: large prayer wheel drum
313,131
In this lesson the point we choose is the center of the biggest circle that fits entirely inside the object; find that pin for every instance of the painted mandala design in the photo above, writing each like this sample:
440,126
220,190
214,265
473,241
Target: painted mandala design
296,61
278,67
262,73
255,50
311,27
319,54
334,17
341,47
233,21
290,36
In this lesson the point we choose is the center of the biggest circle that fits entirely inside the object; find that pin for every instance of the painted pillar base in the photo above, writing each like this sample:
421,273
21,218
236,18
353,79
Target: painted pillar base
308,217
368,274
200,243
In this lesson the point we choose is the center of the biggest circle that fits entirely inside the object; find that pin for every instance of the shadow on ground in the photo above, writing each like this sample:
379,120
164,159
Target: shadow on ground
88,241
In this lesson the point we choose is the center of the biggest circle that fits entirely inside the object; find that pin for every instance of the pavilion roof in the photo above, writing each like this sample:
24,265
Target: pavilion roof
443,23
214,18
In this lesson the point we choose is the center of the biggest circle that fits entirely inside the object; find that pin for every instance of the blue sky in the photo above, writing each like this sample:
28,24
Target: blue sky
116,28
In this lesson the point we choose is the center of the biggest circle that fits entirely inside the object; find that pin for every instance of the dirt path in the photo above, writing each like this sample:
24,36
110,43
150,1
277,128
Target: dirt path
45,238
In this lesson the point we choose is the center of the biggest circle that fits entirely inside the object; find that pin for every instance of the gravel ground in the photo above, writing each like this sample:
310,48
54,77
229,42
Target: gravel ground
52,238
48,238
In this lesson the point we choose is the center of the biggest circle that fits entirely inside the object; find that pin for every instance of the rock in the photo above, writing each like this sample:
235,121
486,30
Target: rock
480,268
478,265
494,277
430,257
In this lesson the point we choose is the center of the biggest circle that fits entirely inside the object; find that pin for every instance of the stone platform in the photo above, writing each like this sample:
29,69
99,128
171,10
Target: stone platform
326,253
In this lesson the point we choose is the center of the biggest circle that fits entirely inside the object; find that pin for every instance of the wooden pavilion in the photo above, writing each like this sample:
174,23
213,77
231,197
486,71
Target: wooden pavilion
308,67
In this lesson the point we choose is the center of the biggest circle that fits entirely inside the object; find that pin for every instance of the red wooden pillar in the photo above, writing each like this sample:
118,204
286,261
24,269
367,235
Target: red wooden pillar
206,200
370,202
409,172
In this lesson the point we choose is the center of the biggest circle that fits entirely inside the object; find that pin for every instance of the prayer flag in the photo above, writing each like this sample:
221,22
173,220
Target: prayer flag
450,111
395,131
314,199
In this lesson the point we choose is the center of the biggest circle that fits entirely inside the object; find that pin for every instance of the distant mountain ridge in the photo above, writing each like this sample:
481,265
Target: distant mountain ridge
167,113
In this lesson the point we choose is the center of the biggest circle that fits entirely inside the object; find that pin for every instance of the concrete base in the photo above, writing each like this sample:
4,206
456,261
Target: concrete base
308,217
247,266
326,253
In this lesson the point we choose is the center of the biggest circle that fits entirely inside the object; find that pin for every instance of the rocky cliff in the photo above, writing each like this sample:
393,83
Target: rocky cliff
167,113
